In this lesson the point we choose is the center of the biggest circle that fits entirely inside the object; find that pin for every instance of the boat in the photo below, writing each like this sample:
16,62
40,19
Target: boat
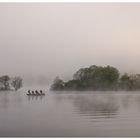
35,93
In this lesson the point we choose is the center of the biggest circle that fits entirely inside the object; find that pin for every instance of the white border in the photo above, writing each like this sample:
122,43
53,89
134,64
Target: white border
68,138
61,1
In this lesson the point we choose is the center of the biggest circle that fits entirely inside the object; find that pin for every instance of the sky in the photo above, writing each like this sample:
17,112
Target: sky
56,39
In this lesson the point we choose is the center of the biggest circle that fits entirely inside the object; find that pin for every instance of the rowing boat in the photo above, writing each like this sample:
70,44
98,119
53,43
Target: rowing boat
36,94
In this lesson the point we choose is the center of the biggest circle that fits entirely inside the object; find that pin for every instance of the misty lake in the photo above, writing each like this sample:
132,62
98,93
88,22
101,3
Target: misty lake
70,114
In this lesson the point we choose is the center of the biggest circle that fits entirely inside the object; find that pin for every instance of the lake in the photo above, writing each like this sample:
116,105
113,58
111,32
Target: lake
70,114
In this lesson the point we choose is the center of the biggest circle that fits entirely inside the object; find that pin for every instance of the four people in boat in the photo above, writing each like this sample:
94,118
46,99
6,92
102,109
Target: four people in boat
35,92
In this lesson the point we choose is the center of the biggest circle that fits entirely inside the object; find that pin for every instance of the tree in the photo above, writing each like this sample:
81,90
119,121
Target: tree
110,75
79,74
58,84
135,81
17,83
4,80
126,82
96,77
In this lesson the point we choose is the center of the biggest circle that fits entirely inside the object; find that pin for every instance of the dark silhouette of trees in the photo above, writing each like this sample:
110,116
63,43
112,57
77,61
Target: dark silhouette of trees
99,78
94,77
130,82
58,84
125,82
4,81
17,83
7,82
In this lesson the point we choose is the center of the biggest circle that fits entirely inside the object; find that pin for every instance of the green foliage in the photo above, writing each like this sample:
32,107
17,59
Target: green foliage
73,84
99,78
136,81
130,82
58,84
94,77
125,82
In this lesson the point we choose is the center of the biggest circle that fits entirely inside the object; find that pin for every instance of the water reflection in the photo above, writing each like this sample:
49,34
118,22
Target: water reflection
104,105
30,98
10,99
126,101
96,107
92,105
70,114
4,100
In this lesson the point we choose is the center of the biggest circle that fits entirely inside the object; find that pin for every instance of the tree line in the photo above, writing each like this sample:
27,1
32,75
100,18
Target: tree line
99,78
9,83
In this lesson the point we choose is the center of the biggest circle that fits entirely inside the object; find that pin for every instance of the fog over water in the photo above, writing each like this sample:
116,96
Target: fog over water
39,41
46,39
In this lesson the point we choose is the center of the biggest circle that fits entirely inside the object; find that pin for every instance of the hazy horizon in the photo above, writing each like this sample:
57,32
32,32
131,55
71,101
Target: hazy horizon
50,39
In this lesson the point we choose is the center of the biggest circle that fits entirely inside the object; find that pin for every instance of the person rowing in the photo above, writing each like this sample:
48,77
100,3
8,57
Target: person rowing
41,92
37,93
29,93
33,93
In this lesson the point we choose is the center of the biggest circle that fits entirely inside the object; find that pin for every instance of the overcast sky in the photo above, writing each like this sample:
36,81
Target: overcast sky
58,39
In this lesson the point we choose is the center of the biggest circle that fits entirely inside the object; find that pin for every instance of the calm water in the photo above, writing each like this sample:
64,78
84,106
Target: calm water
74,114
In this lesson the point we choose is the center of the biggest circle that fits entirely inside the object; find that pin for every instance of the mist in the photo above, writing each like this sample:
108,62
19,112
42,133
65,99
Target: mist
56,39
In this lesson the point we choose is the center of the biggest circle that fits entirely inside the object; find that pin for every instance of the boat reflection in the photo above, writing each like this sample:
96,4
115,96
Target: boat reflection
30,98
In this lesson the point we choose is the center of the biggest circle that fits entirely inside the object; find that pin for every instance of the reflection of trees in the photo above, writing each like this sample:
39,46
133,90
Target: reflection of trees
10,99
104,107
126,101
131,101
137,101
102,104
4,100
